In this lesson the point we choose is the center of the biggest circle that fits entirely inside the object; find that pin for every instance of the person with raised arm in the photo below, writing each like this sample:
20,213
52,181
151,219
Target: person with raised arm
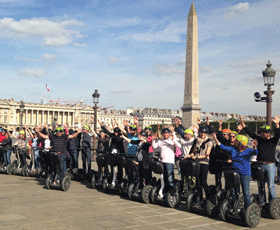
59,143
116,146
266,148
241,162
200,152
167,154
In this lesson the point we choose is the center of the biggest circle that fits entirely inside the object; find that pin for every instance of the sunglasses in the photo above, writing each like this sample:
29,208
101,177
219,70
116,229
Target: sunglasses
225,134
232,136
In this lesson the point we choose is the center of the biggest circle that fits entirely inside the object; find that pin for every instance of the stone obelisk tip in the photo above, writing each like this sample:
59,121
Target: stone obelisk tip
192,10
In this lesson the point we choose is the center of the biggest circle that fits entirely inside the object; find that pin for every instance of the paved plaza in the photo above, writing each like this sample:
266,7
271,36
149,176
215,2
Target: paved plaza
25,203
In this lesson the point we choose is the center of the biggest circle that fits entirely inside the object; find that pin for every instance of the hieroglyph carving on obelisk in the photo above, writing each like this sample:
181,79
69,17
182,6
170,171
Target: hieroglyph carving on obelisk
191,106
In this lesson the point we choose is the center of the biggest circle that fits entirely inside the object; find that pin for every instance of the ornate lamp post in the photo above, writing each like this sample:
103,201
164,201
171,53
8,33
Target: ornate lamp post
268,77
21,108
95,96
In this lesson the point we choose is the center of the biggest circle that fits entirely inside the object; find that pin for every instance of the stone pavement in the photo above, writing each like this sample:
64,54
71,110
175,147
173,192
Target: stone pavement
25,203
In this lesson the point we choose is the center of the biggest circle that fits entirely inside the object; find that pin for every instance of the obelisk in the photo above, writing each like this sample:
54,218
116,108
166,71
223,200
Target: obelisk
191,106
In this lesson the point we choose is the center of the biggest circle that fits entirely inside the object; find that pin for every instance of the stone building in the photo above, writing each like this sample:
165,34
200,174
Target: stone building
39,113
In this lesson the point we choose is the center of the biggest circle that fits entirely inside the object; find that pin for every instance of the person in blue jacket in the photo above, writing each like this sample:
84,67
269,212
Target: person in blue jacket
241,162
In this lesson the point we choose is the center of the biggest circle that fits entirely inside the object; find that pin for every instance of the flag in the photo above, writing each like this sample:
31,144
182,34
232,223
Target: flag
47,88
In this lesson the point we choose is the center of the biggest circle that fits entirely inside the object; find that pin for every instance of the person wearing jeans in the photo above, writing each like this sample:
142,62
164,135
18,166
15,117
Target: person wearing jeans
167,154
277,156
241,163
169,174
86,151
266,148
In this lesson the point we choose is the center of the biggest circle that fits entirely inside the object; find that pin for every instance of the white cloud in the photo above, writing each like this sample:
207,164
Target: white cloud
166,69
33,72
17,57
250,63
169,33
113,60
206,69
237,9
80,44
120,91
50,57
181,62
53,33
123,22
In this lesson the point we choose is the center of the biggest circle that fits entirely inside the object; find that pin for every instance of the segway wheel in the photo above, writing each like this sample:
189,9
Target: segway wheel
212,207
92,181
10,168
274,208
39,171
48,182
224,208
252,215
130,190
105,185
14,170
173,198
189,202
23,171
153,194
65,183
145,193
121,188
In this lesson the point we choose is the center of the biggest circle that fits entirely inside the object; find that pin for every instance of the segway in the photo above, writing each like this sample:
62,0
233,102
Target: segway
193,201
7,169
110,182
273,207
187,182
136,190
17,167
122,161
97,178
54,180
214,201
230,210
160,193
30,170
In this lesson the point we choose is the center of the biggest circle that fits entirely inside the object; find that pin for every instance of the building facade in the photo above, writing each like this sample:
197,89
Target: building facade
39,113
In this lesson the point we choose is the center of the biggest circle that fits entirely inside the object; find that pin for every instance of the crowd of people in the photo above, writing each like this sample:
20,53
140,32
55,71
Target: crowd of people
174,143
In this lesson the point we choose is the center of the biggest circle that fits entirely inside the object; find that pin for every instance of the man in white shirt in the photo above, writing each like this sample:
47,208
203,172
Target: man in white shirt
167,155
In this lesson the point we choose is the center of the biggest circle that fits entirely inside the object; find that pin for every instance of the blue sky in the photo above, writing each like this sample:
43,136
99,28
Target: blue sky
133,52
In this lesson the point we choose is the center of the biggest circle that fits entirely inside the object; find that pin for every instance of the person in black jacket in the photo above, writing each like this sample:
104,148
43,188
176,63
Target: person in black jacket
143,157
266,148
86,149
116,146
7,147
221,156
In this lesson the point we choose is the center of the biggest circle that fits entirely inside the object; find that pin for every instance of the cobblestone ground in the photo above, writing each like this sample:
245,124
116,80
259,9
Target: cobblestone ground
25,203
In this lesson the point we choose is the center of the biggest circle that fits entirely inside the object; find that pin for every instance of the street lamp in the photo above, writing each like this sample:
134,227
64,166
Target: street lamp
268,77
21,108
95,96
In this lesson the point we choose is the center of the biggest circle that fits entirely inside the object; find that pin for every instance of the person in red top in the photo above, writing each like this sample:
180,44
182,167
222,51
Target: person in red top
2,137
